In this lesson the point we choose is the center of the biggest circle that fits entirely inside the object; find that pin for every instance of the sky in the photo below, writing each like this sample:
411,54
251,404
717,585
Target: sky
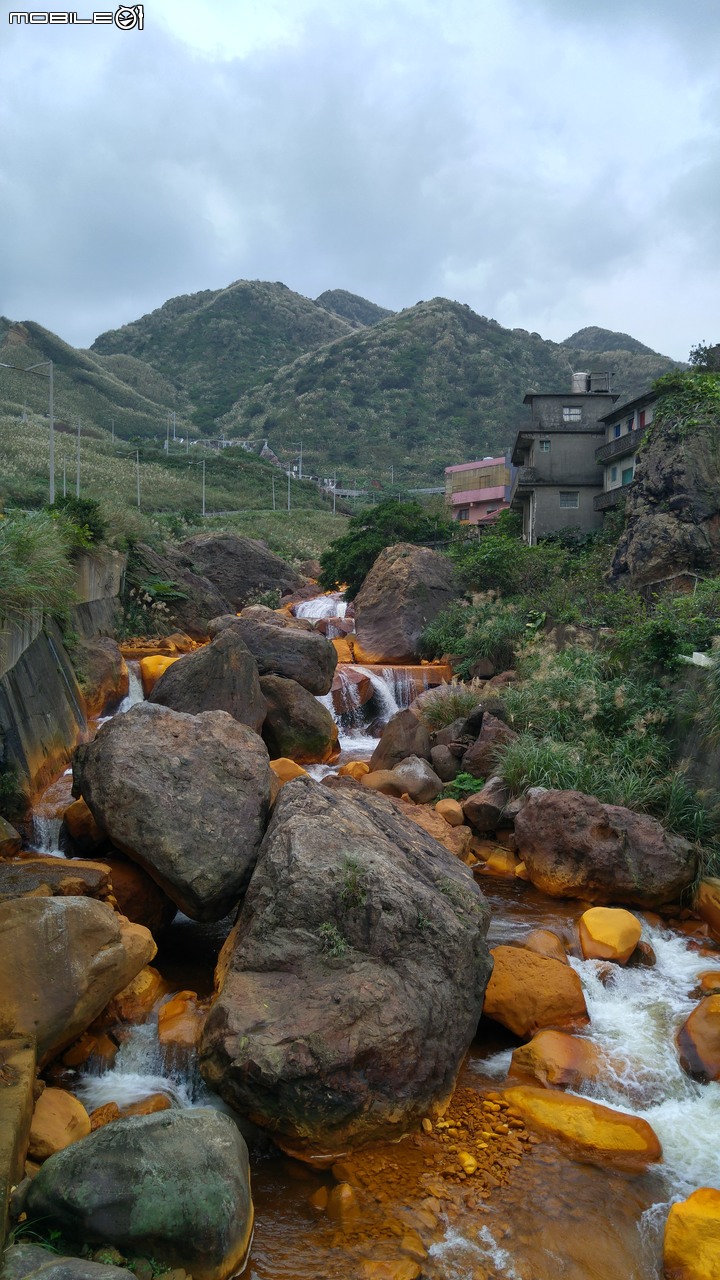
552,163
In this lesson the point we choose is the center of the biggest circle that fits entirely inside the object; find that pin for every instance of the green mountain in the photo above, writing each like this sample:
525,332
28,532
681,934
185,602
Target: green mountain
351,307
433,385
219,343
599,342
99,390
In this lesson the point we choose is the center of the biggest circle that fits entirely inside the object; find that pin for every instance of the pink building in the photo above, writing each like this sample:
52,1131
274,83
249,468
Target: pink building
478,491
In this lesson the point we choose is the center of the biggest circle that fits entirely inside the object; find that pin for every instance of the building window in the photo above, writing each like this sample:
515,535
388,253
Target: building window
569,498
627,475
618,431
571,414
463,513
613,474
544,446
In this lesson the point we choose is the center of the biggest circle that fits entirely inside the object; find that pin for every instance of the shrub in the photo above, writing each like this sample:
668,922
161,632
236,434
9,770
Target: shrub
461,786
85,516
449,702
35,568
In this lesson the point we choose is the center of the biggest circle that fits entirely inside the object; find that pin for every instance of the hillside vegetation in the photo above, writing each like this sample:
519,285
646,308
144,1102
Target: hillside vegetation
216,344
434,385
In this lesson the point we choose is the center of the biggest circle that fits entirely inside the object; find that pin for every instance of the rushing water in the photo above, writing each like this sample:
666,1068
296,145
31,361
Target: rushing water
332,606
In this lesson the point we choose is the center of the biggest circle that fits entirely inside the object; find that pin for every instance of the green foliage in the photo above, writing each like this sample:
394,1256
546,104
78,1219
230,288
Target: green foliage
687,400
332,943
461,786
85,515
13,801
350,558
449,702
354,892
270,599
35,568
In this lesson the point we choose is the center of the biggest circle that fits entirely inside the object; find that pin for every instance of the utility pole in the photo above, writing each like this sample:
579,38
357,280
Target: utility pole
203,489
174,437
334,492
273,487
112,428
77,458
31,369
392,473
64,477
167,435
288,493
137,473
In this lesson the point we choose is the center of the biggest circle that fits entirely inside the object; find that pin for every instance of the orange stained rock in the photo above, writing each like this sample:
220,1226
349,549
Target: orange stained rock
609,933
354,769
699,1040
137,1000
319,1199
343,649
91,1044
81,823
709,981
502,862
455,839
691,1248
389,1269
593,1133
147,1106
152,668
527,992
285,769
707,903
546,943
556,1058
59,1119
180,1020
451,811
521,872
343,1206
104,1115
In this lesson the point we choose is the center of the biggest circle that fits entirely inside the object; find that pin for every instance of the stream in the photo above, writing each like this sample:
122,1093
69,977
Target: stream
557,1219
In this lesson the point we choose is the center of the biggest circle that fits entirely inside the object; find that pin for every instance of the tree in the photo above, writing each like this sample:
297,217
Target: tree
349,559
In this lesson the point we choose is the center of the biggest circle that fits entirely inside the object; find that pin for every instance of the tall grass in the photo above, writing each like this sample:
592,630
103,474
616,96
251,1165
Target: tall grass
35,569
450,702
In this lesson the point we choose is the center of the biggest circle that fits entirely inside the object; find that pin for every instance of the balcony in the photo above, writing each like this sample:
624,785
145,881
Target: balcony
621,447
526,476
611,498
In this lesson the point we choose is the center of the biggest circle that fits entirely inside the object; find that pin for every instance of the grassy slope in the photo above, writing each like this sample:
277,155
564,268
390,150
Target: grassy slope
358,311
434,385
217,344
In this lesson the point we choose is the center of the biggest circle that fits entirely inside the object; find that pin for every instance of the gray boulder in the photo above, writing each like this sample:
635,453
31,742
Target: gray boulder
199,599
32,1262
480,759
185,796
296,724
404,735
484,810
352,984
413,777
222,676
405,589
173,1186
240,568
288,647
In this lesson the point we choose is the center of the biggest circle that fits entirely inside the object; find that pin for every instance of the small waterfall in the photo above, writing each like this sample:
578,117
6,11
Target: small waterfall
322,607
47,816
140,1069
402,685
46,834
135,690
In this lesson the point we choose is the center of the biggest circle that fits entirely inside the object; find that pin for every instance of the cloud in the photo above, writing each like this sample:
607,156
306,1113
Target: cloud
532,161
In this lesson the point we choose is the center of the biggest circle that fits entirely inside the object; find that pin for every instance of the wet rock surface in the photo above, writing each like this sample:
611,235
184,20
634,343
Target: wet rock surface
185,796
239,568
288,647
528,991
403,735
296,725
31,1262
353,981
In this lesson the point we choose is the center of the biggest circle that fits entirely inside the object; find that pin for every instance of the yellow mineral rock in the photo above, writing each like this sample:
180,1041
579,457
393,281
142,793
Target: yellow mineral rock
354,769
151,669
285,770
343,1206
593,1133
58,1120
609,933
691,1248
451,811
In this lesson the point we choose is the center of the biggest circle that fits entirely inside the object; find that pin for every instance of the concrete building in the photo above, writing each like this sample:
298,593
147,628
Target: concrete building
624,431
478,491
558,477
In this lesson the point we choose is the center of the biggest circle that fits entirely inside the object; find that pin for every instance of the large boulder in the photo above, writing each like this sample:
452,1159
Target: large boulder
575,847
592,1133
240,568
296,726
404,735
288,647
352,984
173,1186
198,600
528,991
185,796
406,588
33,1262
222,676
62,960
699,1040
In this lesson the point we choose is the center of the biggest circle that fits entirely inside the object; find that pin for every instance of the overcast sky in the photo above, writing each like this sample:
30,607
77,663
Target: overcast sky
553,163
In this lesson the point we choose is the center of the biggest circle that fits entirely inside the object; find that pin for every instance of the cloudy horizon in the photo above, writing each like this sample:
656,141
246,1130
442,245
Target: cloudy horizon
554,165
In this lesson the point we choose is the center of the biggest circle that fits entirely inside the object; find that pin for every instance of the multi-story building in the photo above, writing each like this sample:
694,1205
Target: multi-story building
624,431
478,491
558,478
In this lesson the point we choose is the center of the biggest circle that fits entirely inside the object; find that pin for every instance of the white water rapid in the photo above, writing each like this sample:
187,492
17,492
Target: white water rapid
322,607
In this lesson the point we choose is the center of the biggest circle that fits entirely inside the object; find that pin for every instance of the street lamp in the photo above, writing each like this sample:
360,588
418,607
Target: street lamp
298,445
31,368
